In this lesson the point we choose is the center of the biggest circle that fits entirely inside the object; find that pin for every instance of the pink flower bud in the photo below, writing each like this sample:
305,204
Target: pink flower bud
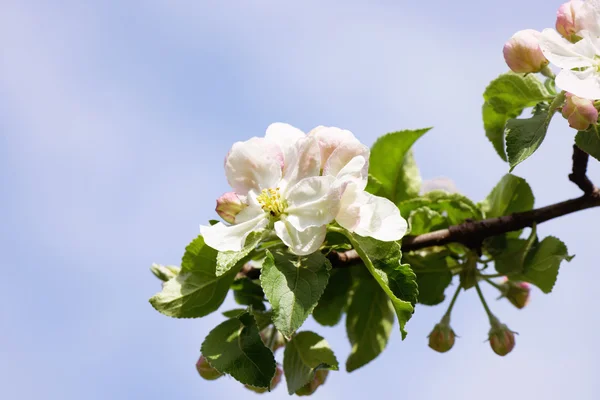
228,206
502,339
516,292
581,113
570,19
311,387
441,338
522,52
206,371
274,382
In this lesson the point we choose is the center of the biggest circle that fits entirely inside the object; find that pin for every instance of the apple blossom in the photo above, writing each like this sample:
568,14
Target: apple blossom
576,16
228,206
516,292
522,52
581,113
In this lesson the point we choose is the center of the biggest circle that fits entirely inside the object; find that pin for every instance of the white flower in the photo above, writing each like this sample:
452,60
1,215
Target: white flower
277,179
360,212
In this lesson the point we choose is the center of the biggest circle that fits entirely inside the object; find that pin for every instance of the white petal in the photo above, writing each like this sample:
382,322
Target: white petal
337,164
562,53
313,202
300,243
584,84
254,164
330,138
303,161
589,15
368,215
285,136
232,238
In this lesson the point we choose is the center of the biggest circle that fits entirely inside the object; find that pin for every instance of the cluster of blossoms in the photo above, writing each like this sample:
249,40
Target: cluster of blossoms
574,47
294,184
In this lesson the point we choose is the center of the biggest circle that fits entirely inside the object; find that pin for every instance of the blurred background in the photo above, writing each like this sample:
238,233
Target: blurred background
115,117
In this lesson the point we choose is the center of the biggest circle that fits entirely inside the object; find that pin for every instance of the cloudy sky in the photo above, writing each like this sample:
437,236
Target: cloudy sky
115,117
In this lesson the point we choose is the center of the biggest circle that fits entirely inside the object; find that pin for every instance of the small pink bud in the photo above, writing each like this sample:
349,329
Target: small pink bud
311,387
516,292
441,338
228,206
570,19
274,382
206,371
581,113
522,52
502,339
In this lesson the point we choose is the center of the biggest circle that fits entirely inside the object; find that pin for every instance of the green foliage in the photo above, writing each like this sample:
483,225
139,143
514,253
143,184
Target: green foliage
293,286
368,323
332,304
433,273
424,219
248,292
228,259
234,347
306,353
393,172
505,98
542,263
511,195
589,142
196,291
456,207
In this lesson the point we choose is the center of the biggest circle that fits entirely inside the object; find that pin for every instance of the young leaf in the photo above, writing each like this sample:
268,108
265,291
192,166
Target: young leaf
393,168
398,281
332,304
247,292
306,353
368,323
456,207
511,195
196,291
424,220
589,142
433,274
293,286
228,259
542,263
234,347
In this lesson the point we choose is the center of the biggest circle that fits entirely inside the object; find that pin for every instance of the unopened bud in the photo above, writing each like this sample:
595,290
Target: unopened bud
581,113
206,371
522,52
570,19
276,343
501,338
317,380
441,338
516,292
228,206
274,382
164,273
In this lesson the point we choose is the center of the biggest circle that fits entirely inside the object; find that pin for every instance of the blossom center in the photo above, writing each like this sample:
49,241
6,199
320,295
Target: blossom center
271,201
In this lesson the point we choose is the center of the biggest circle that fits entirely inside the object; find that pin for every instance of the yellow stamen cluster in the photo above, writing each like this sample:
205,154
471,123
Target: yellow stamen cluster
272,202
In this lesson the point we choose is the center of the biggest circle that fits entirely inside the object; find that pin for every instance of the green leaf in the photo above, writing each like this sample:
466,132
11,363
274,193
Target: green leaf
424,220
368,323
542,263
293,286
505,98
234,313
433,274
589,142
395,174
306,353
524,136
511,195
510,259
248,292
456,207
398,281
332,304
234,347
228,259
196,291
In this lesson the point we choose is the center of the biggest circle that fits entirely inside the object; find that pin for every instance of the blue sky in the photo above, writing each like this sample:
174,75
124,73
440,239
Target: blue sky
115,117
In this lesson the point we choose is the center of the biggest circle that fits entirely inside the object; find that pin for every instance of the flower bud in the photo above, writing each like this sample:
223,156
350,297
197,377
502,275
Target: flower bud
522,52
228,206
501,338
276,343
570,19
311,387
274,382
581,113
441,338
206,371
164,273
516,292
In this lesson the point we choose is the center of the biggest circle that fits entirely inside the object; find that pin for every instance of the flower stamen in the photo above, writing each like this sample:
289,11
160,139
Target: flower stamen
271,201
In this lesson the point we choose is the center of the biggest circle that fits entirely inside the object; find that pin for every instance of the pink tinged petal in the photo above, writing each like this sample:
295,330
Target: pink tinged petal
285,136
343,155
303,161
584,84
349,214
313,202
222,237
522,52
565,54
228,206
300,242
255,164
330,138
